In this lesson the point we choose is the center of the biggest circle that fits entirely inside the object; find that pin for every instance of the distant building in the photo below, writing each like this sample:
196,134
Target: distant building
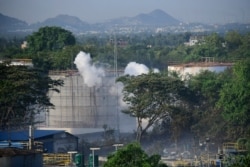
24,45
193,40
19,62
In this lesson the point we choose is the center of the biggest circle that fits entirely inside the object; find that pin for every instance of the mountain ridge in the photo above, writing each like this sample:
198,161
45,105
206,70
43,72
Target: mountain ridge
11,23
155,21
73,23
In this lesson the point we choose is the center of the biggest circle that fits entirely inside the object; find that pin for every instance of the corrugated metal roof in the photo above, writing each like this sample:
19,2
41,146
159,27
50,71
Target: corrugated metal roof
24,135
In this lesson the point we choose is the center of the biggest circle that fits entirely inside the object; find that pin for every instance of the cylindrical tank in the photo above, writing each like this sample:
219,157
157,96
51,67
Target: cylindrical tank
80,106
195,68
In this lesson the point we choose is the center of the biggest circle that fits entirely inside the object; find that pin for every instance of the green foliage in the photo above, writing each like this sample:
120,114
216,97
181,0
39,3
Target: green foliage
57,60
153,50
23,91
214,47
238,161
206,119
233,39
178,54
158,50
49,39
133,156
207,85
245,47
235,95
152,97
49,48
8,48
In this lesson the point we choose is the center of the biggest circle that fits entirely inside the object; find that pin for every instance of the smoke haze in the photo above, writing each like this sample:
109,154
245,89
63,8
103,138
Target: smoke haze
135,69
92,75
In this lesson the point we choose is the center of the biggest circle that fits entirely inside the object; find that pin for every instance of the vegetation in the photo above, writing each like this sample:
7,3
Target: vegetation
211,104
235,95
152,98
218,107
132,155
49,39
238,161
234,100
23,92
58,47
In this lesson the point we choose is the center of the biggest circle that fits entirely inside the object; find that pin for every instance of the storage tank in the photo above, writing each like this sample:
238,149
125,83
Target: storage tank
79,106
196,68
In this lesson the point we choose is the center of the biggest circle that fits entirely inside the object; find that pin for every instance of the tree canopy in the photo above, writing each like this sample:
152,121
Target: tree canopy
50,39
23,92
228,90
133,156
152,97
235,95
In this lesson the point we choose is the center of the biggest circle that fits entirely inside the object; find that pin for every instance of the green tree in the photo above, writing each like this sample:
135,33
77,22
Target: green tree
245,47
207,85
152,97
178,54
234,100
207,120
23,92
214,45
234,45
133,156
233,40
238,161
50,39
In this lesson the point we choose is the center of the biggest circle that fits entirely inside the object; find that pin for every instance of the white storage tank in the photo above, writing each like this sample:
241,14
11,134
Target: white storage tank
196,68
79,106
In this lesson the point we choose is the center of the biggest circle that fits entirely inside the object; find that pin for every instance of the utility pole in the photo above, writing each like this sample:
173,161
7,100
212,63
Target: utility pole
115,76
31,137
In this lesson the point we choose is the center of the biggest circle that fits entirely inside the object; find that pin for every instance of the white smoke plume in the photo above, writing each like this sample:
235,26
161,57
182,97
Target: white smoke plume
135,69
90,73
132,68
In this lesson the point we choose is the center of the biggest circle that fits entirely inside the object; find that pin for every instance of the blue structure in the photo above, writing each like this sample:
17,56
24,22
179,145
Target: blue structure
54,141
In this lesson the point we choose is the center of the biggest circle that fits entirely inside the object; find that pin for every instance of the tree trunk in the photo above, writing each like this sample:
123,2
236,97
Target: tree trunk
139,130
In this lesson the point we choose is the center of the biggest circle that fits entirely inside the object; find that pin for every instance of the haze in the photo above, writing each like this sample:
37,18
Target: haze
204,11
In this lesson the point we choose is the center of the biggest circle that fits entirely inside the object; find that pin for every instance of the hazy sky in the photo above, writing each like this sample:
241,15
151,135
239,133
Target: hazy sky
206,11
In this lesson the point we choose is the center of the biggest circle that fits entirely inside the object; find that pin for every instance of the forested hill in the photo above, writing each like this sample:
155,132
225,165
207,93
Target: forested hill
146,22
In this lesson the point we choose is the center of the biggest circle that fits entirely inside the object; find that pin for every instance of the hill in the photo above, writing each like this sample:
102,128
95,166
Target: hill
154,18
154,21
10,24
74,24
70,23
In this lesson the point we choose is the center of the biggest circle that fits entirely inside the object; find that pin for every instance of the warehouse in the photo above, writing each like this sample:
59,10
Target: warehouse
54,141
